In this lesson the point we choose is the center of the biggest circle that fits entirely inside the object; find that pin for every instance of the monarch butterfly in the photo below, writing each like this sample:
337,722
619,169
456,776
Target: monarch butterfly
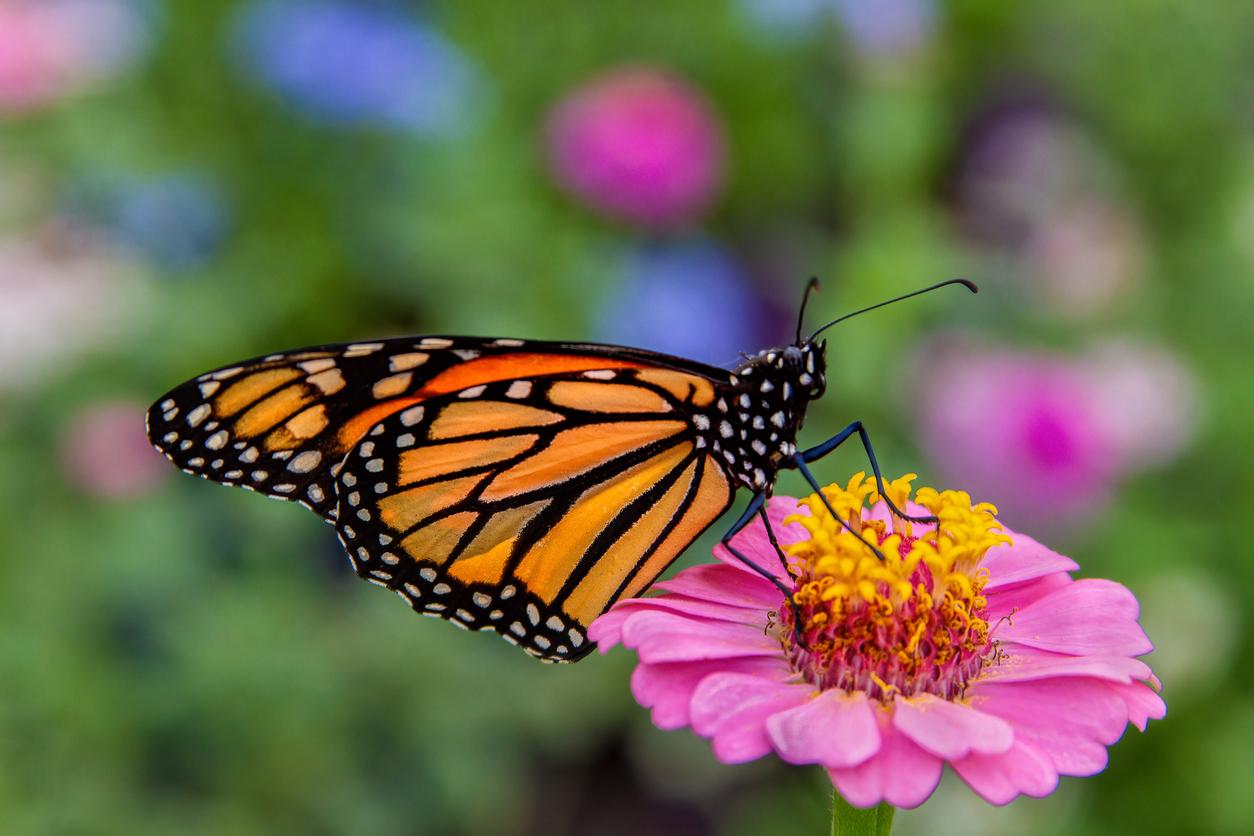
515,486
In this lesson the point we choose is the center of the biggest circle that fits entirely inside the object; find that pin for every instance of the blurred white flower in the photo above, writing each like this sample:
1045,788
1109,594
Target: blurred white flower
1146,397
64,295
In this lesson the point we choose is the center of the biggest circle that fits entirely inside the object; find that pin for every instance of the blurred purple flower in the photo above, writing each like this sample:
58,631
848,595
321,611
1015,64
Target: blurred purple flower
64,294
691,299
638,144
1034,186
50,49
106,453
1085,259
1023,430
180,220
351,63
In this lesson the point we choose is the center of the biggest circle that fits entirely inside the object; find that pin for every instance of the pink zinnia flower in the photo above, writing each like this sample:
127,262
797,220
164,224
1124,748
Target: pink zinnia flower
966,646
638,144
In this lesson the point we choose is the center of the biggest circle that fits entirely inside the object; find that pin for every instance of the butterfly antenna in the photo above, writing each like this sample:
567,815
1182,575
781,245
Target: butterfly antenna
969,285
812,286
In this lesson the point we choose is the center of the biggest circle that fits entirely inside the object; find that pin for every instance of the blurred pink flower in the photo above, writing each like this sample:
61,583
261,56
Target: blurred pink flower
967,648
64,294
638,144
1050,435
53,48
105,451
1022,427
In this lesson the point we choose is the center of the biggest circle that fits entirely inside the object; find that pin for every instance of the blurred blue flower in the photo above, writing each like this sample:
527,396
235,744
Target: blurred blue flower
354,63
692,299
785,20
179,220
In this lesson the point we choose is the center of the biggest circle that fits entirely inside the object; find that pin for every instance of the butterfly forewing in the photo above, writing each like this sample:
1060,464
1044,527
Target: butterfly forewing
527,507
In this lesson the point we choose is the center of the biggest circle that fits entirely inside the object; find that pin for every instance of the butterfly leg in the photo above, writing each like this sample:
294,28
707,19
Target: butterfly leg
816,453
758,505
800,464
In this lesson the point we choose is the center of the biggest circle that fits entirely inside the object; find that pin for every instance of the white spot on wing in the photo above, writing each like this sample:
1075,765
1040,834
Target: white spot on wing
518,389
600,374
216,441
198,414
315,366
435,342
305,461
412,415
405,362
472,392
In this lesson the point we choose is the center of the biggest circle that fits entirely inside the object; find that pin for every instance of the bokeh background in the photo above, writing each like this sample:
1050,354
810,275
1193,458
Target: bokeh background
185,184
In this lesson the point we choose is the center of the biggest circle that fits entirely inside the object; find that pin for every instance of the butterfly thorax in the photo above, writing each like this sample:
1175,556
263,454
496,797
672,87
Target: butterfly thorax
753,424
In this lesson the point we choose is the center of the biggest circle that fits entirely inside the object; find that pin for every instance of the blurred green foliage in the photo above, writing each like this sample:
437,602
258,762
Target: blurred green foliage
198,661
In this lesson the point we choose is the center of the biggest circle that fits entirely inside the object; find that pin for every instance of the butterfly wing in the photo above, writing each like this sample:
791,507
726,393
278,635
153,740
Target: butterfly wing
281,424
520,487
527,507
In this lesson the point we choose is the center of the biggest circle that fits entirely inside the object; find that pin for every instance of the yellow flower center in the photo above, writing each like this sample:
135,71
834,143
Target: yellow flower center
909,623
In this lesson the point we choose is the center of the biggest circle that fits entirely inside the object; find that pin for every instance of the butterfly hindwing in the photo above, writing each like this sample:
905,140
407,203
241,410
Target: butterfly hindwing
527,506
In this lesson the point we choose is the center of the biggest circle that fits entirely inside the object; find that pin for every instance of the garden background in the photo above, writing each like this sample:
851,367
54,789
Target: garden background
186,184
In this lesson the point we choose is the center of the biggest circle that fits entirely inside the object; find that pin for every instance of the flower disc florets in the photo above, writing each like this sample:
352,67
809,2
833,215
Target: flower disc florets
910,623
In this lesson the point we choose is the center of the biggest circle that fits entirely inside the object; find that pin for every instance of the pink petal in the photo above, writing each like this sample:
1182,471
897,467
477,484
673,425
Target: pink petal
1007,601
834,729
1021,663
725,585
732,708
667,688
999,779
1076,706
607,630
1090,617
1022,560
950,729
664,637
1142,702
900,772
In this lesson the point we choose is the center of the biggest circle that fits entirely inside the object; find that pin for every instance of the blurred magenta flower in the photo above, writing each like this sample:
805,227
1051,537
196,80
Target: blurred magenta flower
1051,435
360,64
965,646
638,144
106,453
691,298
64,294
50,49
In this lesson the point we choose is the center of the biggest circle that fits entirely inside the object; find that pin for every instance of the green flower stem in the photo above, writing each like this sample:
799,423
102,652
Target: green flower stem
848,820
